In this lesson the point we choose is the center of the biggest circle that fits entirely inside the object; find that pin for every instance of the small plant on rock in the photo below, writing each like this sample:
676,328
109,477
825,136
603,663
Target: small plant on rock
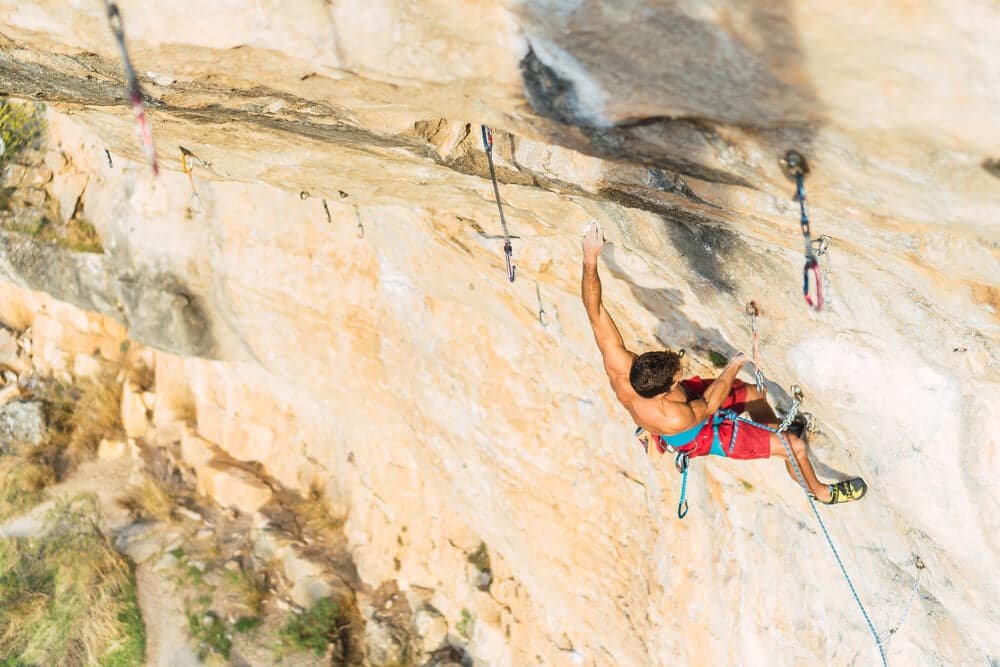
314,629
22,125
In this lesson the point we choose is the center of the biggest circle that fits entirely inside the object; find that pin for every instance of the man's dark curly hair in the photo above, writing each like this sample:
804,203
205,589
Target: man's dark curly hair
653,372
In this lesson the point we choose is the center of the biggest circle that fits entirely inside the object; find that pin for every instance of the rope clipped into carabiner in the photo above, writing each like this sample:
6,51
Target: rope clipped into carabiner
795,167
507,248
132,81
753,313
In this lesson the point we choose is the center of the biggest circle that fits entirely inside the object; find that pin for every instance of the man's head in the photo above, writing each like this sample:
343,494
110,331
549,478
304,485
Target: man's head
654,373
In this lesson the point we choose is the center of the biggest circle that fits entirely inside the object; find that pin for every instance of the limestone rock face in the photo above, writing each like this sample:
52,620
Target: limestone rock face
326,296
232,486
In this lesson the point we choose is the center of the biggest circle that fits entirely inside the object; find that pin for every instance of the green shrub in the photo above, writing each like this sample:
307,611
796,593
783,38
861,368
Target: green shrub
22,125
210,632
245,624
314,629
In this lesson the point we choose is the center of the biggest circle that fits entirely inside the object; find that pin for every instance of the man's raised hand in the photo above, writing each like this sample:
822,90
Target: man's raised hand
593,241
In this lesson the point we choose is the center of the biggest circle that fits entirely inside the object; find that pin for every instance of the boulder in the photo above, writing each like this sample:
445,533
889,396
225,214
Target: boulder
9,392
109,450
87,366
8,346
382,644
135,415
195,450
22,423
431,629
232,486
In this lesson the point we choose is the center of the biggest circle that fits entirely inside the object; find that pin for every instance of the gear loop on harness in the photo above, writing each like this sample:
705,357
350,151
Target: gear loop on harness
507,248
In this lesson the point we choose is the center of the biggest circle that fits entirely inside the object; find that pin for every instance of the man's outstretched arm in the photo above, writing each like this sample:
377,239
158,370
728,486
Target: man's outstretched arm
617,359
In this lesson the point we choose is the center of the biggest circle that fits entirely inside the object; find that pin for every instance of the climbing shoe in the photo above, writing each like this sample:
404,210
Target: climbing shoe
846,491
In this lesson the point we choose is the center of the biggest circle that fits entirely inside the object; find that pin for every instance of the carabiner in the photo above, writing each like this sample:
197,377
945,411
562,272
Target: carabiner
811,263
507,250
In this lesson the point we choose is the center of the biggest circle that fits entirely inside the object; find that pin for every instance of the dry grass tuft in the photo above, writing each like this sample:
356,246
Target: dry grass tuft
313,514
249,587
79,416
24,482
96,415
149,500
68,598
142,375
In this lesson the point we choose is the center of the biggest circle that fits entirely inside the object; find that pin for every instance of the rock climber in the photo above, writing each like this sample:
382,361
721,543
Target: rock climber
682,413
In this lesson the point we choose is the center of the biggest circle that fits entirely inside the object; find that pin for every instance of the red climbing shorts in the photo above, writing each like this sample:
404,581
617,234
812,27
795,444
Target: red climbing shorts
751,442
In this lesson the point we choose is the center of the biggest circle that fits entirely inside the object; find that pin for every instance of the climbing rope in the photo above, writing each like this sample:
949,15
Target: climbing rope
753,313
132,81
795,167
682,461
507,248
785,423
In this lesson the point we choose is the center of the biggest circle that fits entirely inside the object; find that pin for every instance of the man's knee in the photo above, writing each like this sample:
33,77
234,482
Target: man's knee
797,444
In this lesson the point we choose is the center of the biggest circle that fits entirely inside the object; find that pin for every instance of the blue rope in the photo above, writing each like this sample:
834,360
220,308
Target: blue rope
812,503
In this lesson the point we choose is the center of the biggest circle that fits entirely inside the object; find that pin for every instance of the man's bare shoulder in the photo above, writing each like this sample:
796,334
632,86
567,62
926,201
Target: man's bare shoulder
675,413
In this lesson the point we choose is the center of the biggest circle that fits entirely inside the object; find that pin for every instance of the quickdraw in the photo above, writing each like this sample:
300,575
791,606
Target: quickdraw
821,248
188,162
681,462
542,315
507,248
361,228
132,82
795,167
753,313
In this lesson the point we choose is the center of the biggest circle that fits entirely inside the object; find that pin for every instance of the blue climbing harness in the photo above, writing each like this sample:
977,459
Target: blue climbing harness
674,443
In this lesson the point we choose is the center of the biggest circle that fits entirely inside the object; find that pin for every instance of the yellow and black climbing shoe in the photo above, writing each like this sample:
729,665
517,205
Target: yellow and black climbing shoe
846,491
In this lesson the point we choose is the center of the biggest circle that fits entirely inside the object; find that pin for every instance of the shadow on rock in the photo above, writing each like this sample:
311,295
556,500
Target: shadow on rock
660,81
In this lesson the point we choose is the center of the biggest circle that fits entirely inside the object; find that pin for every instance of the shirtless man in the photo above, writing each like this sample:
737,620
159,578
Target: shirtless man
682,413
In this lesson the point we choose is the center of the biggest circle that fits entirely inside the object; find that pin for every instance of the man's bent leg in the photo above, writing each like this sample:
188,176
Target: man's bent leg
798,447
757,406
